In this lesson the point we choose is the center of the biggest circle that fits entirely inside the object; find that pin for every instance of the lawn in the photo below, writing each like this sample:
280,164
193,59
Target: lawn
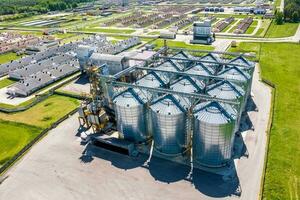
45,113
6,82
13,137
7,57
285,30
263,28
108,30
282,178
179,44
252,27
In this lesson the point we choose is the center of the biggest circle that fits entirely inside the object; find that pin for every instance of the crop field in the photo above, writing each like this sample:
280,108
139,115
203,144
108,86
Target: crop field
284,30
283,166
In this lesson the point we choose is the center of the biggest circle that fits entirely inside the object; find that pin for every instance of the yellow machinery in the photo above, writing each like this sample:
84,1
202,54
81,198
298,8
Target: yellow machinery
91,112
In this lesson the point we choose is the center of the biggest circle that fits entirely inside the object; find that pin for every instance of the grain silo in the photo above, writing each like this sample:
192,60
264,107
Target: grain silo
229,91
243,78
169,119
131,114
213,134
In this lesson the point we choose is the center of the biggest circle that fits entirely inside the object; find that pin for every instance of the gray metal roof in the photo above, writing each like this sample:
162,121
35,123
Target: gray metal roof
151,80
215,113
235,74
130,98
225,90
167,105
201,69
242,61
188,85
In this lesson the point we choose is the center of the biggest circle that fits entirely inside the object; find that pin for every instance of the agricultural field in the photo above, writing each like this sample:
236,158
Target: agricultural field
285,30
283,167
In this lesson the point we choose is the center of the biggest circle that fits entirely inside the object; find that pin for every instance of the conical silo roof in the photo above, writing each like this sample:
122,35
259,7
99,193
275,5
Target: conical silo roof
131,97
225,90
215,113
235,74
202,69
168,105
151,80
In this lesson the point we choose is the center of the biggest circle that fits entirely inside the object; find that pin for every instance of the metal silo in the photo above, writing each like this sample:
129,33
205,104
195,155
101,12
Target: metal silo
213,135
168,66
229,91
187,85
235,73
131,114
212,58
169,119
243,61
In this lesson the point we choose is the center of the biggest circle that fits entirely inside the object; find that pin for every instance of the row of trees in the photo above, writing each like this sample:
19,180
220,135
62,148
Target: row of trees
40,6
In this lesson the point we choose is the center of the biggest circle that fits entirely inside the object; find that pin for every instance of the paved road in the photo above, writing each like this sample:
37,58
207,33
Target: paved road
60,167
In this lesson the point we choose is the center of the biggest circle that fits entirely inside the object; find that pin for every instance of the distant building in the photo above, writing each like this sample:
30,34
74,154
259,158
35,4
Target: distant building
125,3
202,33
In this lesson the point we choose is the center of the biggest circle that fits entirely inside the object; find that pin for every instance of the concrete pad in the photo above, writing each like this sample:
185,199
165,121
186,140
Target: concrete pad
61,167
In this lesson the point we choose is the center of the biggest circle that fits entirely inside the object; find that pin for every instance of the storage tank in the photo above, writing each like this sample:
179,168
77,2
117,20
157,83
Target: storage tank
240,60
235,73
187,85
229,91
213,135
131,114
170,129
211,57
169,66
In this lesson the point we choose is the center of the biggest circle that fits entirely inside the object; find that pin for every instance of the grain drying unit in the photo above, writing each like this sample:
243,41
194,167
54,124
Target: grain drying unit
183,105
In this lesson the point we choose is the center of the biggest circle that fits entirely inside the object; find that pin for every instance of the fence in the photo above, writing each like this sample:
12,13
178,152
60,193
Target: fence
273,86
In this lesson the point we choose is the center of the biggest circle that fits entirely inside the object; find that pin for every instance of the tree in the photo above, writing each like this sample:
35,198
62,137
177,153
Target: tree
279,18
295,16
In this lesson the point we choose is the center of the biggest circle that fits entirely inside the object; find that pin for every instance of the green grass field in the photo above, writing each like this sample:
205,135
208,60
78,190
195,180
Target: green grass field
20,128
45,113
284,30
13,137
107,30
6,82
178,44
7,57
279,65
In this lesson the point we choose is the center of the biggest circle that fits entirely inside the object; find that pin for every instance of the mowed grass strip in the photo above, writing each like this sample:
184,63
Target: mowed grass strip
108,30
13,137
284,30
179,44
6,82
45,113
279,64
7,57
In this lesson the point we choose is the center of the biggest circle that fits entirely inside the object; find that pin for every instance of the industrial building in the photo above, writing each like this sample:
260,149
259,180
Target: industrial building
190,107
202,32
